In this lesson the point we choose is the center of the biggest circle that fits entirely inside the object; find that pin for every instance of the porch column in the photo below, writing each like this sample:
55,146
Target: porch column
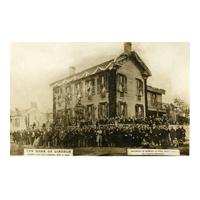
145,76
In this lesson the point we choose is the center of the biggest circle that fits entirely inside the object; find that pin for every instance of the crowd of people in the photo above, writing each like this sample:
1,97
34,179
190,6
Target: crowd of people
120,120
143,133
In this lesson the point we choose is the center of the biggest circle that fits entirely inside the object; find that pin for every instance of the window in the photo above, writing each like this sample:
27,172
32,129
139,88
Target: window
58,96
121,84
59,100
90,112
69,113
139,111
102,85
68,92
59,115
56,90
17,122
139,87
103,110
78,90
90,88
154,101
122,109
68,117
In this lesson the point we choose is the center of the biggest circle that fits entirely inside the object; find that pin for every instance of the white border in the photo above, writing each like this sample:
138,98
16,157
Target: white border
98,177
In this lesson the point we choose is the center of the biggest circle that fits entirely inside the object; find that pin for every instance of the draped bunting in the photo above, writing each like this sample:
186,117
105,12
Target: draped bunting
85,74
108,65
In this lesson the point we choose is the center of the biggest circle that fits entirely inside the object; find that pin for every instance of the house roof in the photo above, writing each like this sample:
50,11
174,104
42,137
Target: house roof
142,65
107,65
155,90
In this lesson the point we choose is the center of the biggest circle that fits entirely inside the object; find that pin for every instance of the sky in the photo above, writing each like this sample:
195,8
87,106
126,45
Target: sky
35,65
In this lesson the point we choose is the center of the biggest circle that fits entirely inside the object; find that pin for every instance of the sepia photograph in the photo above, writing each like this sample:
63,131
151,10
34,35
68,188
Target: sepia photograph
100,99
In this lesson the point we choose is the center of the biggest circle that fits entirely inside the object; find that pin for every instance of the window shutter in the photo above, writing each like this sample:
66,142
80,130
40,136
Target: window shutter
70,113
70,90
118,82
75,89
99,108
125,83
106,81
98,84
107,109
142,107
81,88
152,102
126,114
142,87
137,86
118,109
93,112
93,86
98,112
86,87
85,112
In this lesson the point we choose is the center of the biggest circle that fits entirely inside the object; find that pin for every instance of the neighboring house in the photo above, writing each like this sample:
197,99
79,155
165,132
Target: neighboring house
17,120
154,101
23,119
117,87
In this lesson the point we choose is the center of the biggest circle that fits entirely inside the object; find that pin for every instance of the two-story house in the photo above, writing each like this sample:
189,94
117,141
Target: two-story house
27,118
117,87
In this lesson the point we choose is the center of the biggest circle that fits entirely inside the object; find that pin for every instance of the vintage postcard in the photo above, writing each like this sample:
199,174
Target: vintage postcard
99,99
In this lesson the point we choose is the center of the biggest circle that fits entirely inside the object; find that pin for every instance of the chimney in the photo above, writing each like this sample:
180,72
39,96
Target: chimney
127,47
72,70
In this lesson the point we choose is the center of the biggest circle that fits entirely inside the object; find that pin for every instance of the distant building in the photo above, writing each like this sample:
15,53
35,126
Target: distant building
117,87
29,118
17,120
177,114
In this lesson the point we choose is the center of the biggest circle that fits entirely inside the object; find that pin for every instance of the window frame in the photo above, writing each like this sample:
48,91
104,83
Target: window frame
99,79
138,87
119,111
125,84
136,110
100,110
92,80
